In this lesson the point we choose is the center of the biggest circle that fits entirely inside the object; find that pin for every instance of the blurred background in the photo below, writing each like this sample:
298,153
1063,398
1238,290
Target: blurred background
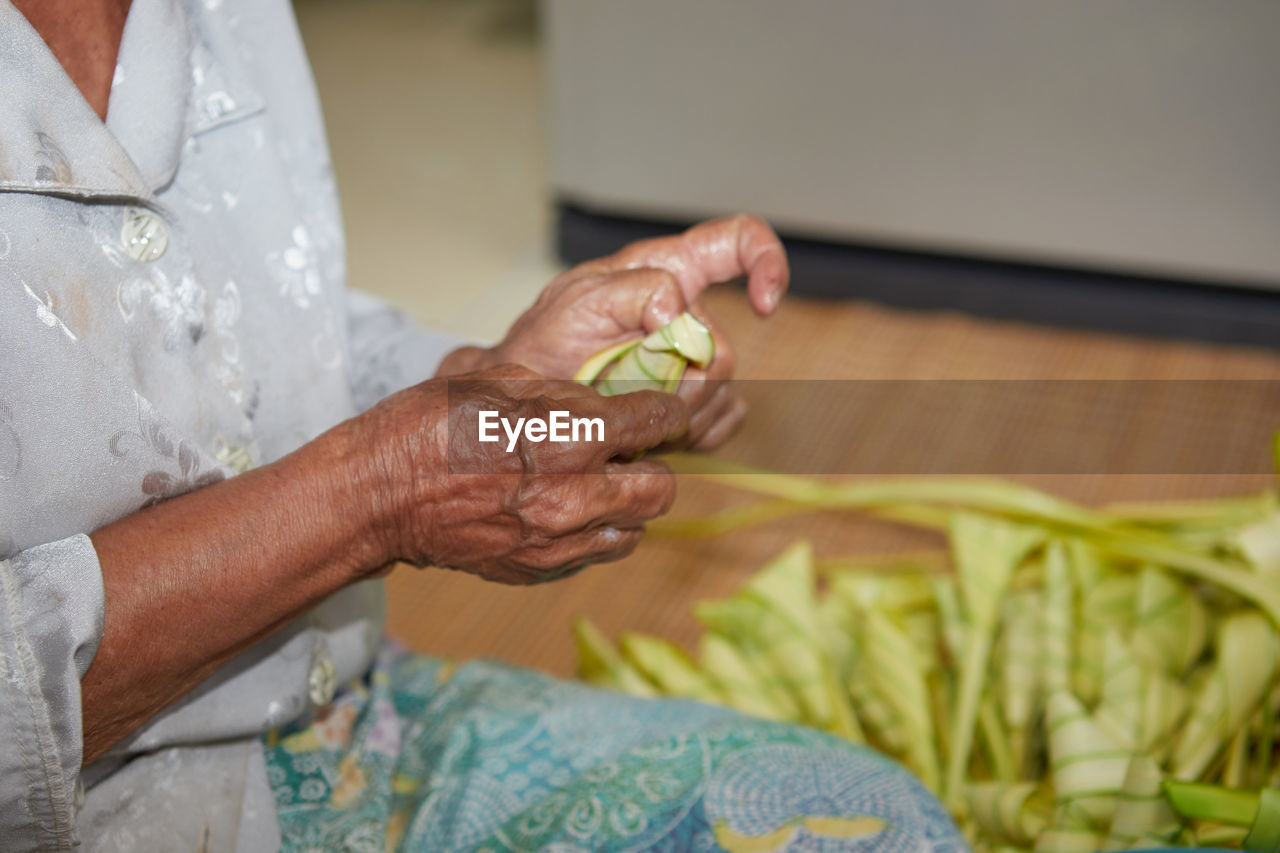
437,129
986,190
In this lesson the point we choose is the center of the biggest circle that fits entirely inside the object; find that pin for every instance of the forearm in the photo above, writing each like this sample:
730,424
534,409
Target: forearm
192,581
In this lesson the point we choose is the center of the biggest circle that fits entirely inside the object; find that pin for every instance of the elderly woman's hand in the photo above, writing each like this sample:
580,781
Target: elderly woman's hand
533,512
222,566
638,290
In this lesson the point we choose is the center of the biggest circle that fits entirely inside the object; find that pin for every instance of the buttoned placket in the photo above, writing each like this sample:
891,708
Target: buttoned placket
322,678
169,87
157,103
174,83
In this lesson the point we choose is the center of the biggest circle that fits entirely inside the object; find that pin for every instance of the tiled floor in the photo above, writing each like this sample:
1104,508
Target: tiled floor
433,109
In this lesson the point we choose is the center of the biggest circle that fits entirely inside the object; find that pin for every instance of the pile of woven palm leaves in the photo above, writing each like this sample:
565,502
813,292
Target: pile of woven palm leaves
1064,678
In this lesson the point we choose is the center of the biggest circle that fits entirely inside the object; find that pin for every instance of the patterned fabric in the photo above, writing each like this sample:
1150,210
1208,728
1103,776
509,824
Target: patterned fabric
425,757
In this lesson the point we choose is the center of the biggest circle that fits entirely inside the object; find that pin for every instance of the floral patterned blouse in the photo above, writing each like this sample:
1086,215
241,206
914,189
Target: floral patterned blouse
172,310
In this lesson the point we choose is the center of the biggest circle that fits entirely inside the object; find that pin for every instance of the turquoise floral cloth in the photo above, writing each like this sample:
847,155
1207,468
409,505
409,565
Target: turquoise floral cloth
422,756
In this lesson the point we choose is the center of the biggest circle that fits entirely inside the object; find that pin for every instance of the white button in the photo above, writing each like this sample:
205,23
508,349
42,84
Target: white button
145,235
322,681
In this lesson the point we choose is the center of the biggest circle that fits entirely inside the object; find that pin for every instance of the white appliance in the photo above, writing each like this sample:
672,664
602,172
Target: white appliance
1126,136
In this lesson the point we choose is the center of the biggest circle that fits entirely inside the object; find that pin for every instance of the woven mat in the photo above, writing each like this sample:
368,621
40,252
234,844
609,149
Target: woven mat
448,614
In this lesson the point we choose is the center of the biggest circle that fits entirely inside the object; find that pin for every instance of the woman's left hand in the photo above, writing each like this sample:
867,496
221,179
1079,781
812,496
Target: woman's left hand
639,290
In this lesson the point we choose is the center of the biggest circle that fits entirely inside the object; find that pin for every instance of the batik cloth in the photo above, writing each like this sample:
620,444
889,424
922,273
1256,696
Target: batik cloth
425,756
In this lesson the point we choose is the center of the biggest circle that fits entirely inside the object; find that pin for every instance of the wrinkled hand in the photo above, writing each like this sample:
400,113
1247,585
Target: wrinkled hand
639,290
535,514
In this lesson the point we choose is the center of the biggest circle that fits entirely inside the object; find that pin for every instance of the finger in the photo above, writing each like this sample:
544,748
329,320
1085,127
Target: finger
716,402
708,399
623,494
572,554
711,423
717,251
724,424
726,357
640,420
694,389
610,543
644,489
644,299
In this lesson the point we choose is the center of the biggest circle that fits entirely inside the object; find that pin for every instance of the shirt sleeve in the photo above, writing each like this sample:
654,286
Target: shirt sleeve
51,611
389,352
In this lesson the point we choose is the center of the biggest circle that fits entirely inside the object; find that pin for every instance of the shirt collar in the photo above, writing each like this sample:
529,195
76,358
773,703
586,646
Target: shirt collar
172,82
148,106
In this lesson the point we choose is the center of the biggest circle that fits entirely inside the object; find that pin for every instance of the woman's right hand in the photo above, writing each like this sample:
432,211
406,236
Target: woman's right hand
536,513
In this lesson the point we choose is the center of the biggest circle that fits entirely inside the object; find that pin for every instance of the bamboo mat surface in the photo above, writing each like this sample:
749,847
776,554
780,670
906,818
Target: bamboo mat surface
1214,433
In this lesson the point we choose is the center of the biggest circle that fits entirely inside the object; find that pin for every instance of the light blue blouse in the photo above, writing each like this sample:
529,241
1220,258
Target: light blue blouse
172,310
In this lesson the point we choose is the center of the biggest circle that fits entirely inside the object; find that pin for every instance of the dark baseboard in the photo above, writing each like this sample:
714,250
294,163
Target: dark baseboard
1126,304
